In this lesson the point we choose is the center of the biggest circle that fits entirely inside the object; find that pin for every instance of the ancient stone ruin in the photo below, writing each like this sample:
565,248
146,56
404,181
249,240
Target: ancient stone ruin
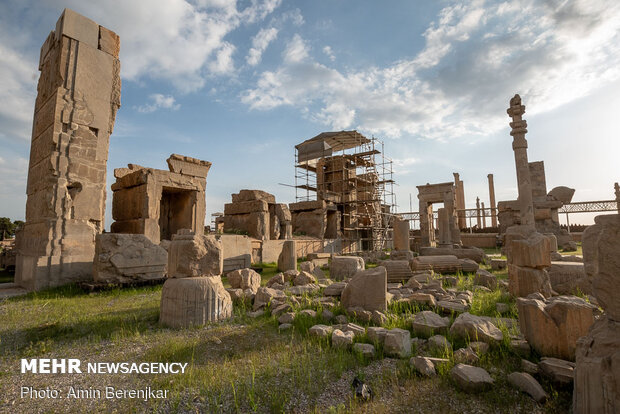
449,233
256,213
597,370
344,188
78,95
194,294
159,203
546,206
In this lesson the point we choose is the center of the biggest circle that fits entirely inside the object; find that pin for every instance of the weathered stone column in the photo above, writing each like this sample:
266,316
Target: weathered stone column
484,216
492,199
401,234
78,95
478,218
460,201
426,224
519,146
617,190
444,227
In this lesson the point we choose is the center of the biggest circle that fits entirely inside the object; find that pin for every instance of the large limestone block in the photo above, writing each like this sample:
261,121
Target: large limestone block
597,369
428,323
245,207
439,264
251,195
601,245
523,281
194,301
552,327
534,251
473,253
244,279
475,328
397,343
343,267
122,258
191,255
288,257
471,379
397,270
568,277
367,289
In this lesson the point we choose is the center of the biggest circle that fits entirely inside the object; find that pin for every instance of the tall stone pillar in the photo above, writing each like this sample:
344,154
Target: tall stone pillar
78,95
492,199
484,216
519,146
460,201
444,227
427,230
478,218
401,234
617,190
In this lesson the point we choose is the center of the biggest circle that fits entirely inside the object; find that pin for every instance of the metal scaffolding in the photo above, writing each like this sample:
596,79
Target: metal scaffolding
353,176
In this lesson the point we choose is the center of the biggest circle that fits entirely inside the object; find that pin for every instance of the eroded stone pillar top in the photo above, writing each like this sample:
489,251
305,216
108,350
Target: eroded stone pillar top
188,166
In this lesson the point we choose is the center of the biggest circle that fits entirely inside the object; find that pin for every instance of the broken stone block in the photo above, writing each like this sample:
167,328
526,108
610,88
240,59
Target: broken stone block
471,379
439,342
527,384
466,356
468,265
123,258
335,289
288,257
397,270
343,267
601,245
376,334
191,255
485,278
366,350
524,281
244,279
558,370
304,278
438,264
194,301
498,264
423,299
568,277
428,323
552,327
265,295
597,370
472,327
423,365
534,251
342,340
397,343
367,289
320,331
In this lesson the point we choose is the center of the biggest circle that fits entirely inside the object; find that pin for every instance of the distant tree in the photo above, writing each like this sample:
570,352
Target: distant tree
18,225
7,228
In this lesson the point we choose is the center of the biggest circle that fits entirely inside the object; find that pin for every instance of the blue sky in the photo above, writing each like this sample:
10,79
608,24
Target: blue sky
240,83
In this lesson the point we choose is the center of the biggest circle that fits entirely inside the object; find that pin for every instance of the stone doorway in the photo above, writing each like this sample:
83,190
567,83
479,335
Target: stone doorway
177,211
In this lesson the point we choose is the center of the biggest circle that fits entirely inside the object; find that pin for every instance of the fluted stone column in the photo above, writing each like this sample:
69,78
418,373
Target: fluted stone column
492,199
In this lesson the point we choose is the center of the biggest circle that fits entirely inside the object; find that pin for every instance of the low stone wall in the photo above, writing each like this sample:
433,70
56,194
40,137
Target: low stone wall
576,236
267,251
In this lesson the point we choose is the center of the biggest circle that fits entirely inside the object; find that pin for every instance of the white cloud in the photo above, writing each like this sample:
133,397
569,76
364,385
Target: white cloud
223,64
259,44
296,50
159,101
476,56
327,50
